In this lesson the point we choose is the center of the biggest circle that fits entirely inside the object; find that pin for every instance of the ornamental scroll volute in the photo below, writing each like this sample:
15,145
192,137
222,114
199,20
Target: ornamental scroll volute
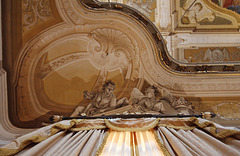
110,49
61,63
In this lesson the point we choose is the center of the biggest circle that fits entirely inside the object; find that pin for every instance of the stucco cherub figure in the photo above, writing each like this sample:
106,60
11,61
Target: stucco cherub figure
150,102
102,101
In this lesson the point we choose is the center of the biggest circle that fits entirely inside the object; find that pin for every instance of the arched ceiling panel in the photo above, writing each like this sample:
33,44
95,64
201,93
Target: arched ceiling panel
94,42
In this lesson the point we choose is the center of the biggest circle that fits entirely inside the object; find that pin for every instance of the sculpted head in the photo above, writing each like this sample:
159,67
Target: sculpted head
108,87
151,91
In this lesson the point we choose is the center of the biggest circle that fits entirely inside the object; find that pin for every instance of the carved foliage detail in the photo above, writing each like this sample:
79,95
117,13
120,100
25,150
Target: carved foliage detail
60,62
35,11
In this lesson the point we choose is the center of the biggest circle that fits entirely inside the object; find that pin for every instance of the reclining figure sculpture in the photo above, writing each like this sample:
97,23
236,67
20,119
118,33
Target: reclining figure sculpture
105,102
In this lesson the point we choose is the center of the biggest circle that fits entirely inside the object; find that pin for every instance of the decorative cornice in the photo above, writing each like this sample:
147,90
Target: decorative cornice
60,62
164,59
130,35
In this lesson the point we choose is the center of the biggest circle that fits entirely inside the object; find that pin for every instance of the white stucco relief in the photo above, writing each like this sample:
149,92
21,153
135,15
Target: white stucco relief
111,49
75,19
198,11
190,84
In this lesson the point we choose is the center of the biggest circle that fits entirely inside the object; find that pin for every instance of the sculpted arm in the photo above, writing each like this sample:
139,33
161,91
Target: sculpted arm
113,101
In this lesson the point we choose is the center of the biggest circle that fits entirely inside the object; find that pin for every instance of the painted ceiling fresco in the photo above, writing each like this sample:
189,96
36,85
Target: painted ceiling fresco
67,53
233,5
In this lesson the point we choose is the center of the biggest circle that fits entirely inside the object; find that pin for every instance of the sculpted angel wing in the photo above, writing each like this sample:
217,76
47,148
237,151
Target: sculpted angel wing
136,95
167,95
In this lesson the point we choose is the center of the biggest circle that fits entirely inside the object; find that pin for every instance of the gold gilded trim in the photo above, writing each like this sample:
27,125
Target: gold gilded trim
33,139
58,127
213,129
163,148
222,10
88,128
176,127
100,149
144,128
36,138
163,59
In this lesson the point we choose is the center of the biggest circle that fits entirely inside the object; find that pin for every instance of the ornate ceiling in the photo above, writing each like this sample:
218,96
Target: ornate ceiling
61,48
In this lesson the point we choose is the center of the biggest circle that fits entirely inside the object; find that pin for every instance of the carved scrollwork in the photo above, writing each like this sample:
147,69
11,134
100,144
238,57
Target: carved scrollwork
216,55
203,68
182,68
111,41
35,11
60,62
111,48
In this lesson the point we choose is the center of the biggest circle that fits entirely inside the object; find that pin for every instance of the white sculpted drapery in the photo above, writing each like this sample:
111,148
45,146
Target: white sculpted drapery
144,136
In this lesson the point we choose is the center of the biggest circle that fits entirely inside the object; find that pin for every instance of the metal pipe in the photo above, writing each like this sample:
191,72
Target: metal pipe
57,118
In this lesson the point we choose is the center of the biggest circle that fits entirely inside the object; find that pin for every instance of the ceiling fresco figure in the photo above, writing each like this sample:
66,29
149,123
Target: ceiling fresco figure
70,51
113,74
103,101
233,5
151,102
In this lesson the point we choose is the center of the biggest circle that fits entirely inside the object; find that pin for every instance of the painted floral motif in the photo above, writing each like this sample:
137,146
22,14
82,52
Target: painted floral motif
35,11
